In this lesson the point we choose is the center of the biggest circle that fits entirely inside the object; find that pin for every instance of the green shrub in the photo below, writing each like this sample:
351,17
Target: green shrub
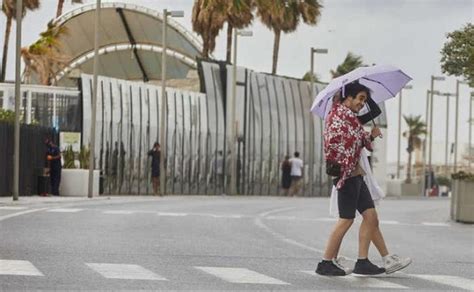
68,156
461,175
84,157
444,181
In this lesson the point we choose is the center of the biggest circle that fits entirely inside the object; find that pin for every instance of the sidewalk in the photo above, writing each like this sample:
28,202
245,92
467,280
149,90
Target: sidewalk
34,200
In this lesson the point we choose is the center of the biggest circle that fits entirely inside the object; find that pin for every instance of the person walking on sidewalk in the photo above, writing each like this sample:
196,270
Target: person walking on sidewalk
286,175
296,174
344,139
155,154
53,157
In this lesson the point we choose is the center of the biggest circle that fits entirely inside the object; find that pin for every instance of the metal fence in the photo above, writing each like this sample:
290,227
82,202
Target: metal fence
32,157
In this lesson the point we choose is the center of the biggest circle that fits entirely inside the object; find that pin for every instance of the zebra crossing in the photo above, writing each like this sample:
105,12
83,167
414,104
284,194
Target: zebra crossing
242,275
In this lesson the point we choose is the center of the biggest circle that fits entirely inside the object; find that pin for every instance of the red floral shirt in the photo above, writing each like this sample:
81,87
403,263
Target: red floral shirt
344,138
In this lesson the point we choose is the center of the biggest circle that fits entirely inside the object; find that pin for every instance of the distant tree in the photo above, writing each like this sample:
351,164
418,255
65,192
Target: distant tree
457,55
239,15
307,77
350,63
43,57
9,9
208,18
285,16
416,128
59,9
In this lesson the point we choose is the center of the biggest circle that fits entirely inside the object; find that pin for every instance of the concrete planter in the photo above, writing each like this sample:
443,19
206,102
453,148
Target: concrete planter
462,201
74,183
400,188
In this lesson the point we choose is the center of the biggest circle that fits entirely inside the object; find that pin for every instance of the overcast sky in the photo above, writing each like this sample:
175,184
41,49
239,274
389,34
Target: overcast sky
408,34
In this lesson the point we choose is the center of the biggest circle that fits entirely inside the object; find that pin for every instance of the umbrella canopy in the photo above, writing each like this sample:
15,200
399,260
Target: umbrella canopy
384,81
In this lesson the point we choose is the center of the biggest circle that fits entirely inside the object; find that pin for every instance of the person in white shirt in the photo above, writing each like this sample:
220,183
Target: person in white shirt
296,174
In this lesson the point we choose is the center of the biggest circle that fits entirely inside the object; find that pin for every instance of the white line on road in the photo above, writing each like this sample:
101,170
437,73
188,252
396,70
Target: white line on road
21,213
123,271
118,212
64,210
240,275
454,281
389,222
361,282
441,224
172,214
18,268
13,208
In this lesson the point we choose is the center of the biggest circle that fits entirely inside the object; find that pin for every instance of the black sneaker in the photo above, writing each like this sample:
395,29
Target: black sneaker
328,268
365,267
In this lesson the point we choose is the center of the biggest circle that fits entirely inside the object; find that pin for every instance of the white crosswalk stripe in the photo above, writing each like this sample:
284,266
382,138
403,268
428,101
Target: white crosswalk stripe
240,275
454,281
18,268
13,208
64,210
124,271
362,282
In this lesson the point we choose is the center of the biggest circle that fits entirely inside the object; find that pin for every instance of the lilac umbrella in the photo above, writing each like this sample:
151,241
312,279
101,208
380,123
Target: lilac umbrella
384,81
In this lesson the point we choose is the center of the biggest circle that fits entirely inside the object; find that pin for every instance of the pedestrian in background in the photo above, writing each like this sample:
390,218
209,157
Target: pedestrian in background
155,154
286,175
53,158
296,174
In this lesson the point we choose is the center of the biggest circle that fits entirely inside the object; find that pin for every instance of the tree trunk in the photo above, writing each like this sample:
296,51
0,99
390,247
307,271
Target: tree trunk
59,10
229,43
408,180
276,48
5,48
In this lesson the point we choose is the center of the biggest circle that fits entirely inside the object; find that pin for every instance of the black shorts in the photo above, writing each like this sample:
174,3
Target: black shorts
354,195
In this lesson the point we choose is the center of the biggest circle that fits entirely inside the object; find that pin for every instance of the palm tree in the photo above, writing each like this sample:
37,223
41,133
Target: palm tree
239,15
59,9
43,57
284,16
9,9
208,18
416,128
307,77
350,63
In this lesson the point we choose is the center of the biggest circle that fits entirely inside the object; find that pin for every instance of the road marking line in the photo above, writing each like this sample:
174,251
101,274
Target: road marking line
361,282
240,275
13,208
172,214
389,222
19,268
124,271
454,281
436,224
64,210
118,212
21,213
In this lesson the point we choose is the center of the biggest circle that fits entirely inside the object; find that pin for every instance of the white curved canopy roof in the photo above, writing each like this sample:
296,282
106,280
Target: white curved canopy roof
124,28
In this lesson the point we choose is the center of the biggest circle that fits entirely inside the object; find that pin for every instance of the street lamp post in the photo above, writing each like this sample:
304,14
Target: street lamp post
446,142
164,98
94,100
232,123
16,154
456,117
470,130
312,130
400,128
433,79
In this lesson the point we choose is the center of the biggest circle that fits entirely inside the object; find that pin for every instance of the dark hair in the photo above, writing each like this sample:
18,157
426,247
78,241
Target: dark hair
297,154
354,88
156,144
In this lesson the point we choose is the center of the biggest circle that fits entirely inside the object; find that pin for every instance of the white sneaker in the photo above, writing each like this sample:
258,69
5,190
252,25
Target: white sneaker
393,263
339,263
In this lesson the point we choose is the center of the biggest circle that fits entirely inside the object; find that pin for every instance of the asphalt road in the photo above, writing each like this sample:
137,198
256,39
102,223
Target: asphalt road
220,243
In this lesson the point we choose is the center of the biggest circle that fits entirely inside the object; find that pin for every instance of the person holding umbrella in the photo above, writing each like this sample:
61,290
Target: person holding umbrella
392,262
345,139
